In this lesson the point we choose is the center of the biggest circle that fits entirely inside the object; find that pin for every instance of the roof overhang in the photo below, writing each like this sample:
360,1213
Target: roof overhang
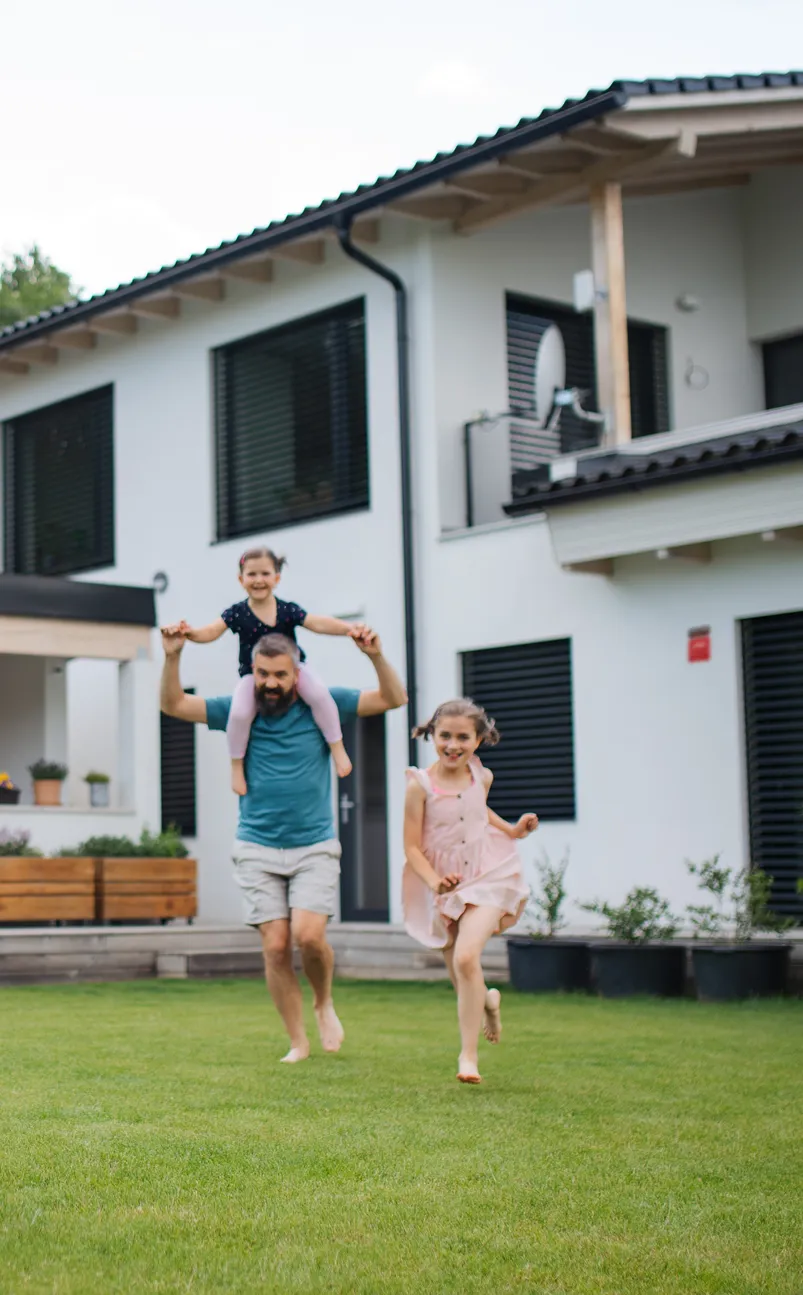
49,617
651,138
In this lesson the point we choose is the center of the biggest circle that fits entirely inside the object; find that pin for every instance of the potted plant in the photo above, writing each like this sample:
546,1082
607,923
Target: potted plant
539,961
636,958
98,789
34,888
9,793
48,775
727,960
147,880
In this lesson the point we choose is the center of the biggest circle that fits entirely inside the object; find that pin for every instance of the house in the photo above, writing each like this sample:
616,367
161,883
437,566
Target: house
371,386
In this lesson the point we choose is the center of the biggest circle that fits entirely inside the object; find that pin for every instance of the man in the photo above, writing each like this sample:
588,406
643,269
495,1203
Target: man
286,856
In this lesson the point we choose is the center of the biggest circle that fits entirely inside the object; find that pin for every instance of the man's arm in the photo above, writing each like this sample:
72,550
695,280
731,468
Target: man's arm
173,699
391,693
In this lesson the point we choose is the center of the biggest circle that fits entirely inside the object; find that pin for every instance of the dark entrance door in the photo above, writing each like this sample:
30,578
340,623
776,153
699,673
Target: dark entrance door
362,811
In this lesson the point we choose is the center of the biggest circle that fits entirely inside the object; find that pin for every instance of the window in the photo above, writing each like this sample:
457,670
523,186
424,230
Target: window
59,487
527,321
527,689
177,749
772,654
292,435
783,372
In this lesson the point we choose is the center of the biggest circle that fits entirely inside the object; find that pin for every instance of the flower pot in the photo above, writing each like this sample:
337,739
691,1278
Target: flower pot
622,970
726,972
9,795
99,795
47,791
539,966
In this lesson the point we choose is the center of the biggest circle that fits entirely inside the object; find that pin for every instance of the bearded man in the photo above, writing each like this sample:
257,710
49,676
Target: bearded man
286,855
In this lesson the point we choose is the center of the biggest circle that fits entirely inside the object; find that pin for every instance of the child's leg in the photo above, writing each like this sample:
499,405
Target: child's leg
241,717
477,925
315,693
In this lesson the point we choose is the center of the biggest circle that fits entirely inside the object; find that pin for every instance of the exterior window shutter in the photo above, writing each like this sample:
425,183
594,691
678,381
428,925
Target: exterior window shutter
772,654
527,690
177,749
291,420
59,487
783,372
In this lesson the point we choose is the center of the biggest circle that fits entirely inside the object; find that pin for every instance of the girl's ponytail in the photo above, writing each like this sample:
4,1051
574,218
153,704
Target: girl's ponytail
485,727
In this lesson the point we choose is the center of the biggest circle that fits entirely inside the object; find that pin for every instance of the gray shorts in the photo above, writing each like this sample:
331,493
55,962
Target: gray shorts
275,881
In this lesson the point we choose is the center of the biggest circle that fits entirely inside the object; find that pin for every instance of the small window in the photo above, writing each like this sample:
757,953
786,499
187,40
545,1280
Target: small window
177,743
527,689
783,372
59,487
527,321
292,431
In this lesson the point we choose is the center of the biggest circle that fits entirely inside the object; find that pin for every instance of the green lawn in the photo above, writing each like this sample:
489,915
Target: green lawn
150,1142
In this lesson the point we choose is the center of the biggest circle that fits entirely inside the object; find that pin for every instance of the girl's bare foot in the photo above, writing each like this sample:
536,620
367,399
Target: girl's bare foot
329,1027
297,1054
342,763
492,1023
467,1071
238,783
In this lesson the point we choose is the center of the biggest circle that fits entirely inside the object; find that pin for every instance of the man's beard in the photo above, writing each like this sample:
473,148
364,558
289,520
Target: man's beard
271,704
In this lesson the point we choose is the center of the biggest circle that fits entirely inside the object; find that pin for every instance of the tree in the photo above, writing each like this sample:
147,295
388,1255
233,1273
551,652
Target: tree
29,284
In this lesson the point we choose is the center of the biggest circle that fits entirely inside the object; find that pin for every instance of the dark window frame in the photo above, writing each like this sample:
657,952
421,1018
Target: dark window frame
345,442
84,422
777,370
171,729
534,764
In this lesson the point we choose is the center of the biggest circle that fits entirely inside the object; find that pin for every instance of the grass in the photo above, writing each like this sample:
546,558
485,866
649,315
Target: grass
150,1142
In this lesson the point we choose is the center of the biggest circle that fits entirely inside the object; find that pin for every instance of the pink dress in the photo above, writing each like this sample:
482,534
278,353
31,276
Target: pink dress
458,838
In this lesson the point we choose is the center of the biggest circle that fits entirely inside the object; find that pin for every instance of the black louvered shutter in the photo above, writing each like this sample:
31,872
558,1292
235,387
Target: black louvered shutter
649,379
772,651
177,750
59,487
527,689
292,429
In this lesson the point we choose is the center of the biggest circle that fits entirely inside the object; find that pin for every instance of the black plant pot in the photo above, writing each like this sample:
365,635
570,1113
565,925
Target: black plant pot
9,795
726,972
545,966
623,970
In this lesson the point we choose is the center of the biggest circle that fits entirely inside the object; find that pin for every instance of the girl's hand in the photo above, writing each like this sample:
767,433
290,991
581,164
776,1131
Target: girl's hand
526,824
444,884
187,631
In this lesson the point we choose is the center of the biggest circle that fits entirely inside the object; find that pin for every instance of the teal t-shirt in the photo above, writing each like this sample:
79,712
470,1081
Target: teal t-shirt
288,771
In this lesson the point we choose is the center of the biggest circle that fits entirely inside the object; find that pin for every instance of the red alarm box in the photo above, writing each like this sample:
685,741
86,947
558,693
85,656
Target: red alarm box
700,644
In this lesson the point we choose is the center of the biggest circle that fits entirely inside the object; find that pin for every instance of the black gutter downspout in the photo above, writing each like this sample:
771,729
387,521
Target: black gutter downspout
343,230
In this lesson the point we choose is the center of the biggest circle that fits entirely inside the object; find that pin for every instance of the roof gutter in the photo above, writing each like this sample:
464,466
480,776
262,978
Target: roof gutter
343,231
341,211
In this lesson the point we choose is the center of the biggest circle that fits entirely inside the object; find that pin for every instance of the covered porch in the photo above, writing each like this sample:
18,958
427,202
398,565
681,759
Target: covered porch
51,629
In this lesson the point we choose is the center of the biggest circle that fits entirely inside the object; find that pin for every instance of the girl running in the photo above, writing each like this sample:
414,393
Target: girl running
261,612
463,879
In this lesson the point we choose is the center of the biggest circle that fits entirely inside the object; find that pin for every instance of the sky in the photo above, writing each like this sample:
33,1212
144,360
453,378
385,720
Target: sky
135,134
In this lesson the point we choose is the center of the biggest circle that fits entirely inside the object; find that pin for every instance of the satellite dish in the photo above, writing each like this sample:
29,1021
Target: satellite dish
550,371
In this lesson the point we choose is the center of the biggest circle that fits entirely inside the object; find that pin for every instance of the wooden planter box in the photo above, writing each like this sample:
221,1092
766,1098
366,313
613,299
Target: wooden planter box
47,890
135,890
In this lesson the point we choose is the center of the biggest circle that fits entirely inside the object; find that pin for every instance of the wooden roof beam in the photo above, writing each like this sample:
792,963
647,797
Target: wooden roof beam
117,321
310,252
162,306
74,339
365,231
9,365
207,287
253,269
37,353
563,188
438,207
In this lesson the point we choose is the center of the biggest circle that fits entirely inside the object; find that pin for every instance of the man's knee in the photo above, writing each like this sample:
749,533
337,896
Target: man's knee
276,944
310,938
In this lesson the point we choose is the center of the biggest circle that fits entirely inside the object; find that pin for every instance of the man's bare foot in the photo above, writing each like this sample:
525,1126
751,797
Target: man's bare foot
343,765
329,1027
492,1023
238,783
467,1071
297,1054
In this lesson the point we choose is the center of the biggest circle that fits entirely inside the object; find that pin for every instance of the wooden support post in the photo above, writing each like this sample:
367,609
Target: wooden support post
610,310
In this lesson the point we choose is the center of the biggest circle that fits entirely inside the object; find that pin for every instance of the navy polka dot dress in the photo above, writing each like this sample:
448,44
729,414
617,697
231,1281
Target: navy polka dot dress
250,629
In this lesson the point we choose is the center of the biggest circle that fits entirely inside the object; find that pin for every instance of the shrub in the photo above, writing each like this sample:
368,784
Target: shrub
16,844
642,916
47,771
741,901
544,906
162,845
92,776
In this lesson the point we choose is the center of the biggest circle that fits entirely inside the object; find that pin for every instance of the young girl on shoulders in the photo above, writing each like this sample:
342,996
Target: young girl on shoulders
261,612
463,879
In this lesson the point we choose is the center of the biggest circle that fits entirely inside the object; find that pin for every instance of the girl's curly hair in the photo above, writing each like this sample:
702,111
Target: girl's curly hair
485,727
